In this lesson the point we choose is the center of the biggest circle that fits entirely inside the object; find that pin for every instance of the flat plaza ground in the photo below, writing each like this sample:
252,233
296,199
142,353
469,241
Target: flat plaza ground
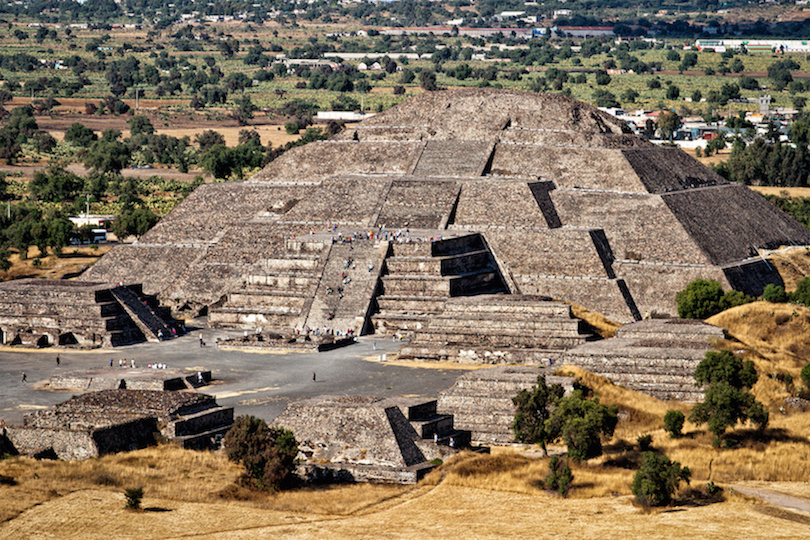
260,384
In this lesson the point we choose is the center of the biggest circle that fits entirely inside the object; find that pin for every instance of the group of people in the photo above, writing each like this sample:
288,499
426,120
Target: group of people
325,331
122,363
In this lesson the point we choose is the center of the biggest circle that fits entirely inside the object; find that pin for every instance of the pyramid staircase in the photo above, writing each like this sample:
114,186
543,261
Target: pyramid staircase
420,277
277,294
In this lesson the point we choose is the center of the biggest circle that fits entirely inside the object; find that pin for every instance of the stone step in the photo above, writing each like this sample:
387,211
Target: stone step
440,266
238,318
289,281
441,424
270,301
411,304
498,339
203,441
516,326
199,422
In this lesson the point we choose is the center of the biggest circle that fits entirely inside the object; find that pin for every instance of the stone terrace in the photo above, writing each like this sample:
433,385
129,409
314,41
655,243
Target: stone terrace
656,357
366,438
481,400
497,329
97,423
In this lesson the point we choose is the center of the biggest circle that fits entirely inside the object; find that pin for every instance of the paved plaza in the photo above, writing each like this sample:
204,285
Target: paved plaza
260,384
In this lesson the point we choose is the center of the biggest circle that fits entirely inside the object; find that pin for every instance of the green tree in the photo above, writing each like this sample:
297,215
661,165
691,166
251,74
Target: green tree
55,184
727,400
656,481
559,476
668,123
802,293
133,220
140,124
774,293
805,376
427,80
699,300
673,423
268,454
581,422
532,413
243,110
208,139
133,497
723,366
107,156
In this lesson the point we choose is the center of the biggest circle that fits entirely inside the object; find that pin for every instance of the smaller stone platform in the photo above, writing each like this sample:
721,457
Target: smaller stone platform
98,423
481,400
656,356
310,342
370,439
128,378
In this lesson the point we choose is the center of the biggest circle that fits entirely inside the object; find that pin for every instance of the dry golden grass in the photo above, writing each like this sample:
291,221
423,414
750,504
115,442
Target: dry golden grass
601,324
270,134
781,191
793,264
73,259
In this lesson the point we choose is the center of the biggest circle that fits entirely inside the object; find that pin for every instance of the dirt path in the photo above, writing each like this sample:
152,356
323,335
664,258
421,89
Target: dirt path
782,500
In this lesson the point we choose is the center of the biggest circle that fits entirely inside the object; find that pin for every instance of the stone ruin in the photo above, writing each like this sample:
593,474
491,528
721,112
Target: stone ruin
477,192
108,421
656,357
45,312
481,400
370,439
128,378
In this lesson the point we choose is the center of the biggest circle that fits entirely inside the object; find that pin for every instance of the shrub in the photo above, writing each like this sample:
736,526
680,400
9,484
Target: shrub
673,423
658,479
703,298
774,293
134,497
802,293
559,476
644,442
268,454
805,376
292,128
723,366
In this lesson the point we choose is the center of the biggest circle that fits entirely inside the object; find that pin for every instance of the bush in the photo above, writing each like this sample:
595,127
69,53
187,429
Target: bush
581,422
658,479
703,298
292,128
134,497
673,423
268,454
774,293
802,293
805,375
644,442
559,476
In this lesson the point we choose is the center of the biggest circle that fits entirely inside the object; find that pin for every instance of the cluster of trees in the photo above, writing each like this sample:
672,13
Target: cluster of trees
268,454
545,415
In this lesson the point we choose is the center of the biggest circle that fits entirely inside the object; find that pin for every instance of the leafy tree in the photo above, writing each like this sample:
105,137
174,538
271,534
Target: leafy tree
802,293
427,80
80,135
602,78
673,92
55,184
140,124
134,220
107,156
726,399
533,406
656,481
774,293
268,454
581,422
133,497
604,98
723,366
208,139
559,476
243,110
697,96
805,376
699,300
629,95
668,123
673,423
